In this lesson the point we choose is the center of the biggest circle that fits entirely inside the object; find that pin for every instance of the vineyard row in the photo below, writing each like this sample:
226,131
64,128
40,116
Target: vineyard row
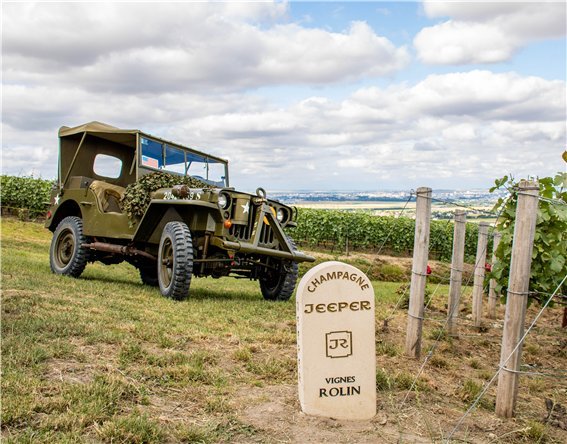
316,228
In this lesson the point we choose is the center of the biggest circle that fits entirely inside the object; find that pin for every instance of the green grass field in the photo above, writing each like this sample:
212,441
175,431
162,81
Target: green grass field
105,359
82,358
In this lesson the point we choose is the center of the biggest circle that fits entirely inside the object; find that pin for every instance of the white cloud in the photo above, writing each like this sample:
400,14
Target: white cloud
137,48
486,32
191,74
473,126
460,132
460,43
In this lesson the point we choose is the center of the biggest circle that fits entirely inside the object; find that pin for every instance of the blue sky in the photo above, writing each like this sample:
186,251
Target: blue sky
300,95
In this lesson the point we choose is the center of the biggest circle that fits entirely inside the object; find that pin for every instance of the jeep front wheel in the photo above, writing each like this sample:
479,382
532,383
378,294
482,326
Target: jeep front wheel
66,254
175,261
278,285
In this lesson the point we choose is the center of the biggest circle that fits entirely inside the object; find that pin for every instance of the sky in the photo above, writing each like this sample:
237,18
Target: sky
298,95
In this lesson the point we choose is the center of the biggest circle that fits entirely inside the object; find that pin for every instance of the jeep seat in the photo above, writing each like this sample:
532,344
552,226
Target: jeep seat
107,195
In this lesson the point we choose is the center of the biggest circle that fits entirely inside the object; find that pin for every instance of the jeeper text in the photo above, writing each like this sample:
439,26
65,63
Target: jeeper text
334,307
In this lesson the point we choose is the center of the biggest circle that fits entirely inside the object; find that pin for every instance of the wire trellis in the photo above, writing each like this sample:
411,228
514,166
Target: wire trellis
504,362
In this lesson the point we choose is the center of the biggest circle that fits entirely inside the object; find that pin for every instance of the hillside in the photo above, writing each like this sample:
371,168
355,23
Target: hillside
104,358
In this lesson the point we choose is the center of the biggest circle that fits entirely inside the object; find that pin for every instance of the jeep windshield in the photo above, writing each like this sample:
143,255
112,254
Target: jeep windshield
162,156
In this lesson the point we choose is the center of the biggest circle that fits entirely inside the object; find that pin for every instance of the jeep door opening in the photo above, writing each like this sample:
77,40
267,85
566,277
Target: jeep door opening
124,195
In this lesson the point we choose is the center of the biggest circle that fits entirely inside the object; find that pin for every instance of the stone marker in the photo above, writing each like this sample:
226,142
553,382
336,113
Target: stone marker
336,343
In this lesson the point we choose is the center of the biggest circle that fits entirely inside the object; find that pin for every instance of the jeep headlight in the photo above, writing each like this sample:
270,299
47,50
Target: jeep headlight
223,201
280,215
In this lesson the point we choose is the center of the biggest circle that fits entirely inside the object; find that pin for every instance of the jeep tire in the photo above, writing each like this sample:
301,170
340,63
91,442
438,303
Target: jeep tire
175,260
278,285
66,254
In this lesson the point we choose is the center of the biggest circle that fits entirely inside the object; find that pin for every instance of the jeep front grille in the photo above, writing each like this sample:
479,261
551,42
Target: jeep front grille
266,236
243,232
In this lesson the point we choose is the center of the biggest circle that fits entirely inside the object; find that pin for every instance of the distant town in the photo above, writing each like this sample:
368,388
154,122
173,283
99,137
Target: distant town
478,204
476,197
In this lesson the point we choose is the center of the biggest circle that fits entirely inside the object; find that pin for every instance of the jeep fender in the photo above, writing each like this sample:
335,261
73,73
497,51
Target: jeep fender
66,208
198,215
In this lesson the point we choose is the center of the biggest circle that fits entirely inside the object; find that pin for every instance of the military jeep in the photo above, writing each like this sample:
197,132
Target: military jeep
183,231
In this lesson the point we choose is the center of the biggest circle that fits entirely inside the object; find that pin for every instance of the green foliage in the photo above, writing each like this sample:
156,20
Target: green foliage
138,194
31,195
25,193
314,226
549,262
364,230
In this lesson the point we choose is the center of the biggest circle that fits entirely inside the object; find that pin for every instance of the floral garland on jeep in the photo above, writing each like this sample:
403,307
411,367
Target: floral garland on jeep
137,195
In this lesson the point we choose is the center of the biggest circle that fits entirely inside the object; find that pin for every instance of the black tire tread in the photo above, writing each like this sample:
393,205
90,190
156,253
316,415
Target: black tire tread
182,245
285,288
82,255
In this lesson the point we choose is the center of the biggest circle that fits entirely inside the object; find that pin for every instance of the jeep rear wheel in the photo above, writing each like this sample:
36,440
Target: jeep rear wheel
175,261
66,254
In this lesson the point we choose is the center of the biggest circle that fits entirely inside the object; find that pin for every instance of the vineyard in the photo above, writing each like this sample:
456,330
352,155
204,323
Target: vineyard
331,228
106,359
28,197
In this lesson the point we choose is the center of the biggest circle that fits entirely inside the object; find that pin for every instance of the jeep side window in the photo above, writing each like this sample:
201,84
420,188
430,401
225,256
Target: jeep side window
107,166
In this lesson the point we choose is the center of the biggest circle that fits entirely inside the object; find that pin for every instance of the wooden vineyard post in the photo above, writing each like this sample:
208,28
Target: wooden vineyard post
419,272
492,297
456,271
480,262
517,298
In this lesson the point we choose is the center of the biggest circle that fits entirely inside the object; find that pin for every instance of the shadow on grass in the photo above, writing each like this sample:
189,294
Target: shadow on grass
199,291
201,294
112,280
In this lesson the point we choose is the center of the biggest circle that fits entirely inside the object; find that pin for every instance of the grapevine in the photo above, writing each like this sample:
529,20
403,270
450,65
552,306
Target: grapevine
549,262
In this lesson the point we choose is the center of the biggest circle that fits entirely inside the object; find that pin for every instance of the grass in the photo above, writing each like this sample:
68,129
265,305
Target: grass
134,428
535,432
87,357
387,349
469,392
105,358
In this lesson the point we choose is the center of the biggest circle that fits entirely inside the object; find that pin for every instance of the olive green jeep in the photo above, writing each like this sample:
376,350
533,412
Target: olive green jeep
197,227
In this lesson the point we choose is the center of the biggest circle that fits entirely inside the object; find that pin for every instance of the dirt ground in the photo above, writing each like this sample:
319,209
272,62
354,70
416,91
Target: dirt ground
431,413
452,372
